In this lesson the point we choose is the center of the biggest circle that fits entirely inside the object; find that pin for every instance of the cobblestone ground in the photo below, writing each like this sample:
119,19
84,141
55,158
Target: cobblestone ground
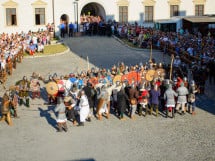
33,136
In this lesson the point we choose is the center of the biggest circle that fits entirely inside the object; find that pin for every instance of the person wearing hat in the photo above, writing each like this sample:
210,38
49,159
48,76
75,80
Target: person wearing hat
122,99
102,102
192,98
169,97
90,93
35,86
83,107
24,87
182,98
143,100
70,104
5,109
115,90
154,98
133,97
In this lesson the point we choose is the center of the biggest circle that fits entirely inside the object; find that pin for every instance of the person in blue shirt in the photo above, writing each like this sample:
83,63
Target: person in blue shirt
71,29
62,30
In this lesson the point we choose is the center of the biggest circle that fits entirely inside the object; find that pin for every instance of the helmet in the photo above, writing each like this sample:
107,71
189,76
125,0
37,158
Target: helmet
185,79
117,83
192,83
24,78
132,85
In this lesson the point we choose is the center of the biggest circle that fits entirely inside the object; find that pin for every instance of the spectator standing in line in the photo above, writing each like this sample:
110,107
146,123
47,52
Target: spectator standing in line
62,30
71,29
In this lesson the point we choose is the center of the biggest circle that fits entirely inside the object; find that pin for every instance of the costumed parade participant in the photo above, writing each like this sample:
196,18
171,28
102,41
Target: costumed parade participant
122,99
5,109
169,97
71,113
182,98
102,102
143,100
154,99
83,107
61,116
35,86
115,90
90,93
192,97
24,87
133,97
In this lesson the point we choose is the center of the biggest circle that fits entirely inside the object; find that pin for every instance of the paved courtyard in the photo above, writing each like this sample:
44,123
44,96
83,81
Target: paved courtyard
33,136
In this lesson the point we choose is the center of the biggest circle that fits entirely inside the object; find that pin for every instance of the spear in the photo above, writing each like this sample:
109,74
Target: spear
170,74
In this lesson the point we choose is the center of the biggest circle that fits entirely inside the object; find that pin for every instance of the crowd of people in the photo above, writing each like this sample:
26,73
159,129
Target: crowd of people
100,92
13,46
89,25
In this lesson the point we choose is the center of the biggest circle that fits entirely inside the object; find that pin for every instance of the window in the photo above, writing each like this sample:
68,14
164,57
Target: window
40,16
11,16
199,10
174,10
123,14
149,14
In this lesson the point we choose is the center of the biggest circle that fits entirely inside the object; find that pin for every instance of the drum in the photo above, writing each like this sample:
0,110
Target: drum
150,75
52,88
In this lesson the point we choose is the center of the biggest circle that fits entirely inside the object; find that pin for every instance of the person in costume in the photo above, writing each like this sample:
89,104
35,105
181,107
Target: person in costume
122,99
5,109
133,97
169,97
182,98
24,87
61,115
83,107
35,86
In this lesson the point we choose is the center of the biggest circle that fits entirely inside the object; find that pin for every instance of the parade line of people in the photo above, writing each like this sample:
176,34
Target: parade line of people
142,89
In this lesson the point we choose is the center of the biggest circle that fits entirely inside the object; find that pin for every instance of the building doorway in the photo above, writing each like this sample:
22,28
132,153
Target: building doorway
94,9
65,19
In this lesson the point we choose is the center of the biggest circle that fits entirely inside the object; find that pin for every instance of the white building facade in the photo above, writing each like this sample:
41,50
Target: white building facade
24,15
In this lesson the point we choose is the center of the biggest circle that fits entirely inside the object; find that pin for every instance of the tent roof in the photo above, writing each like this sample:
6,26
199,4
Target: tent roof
200,19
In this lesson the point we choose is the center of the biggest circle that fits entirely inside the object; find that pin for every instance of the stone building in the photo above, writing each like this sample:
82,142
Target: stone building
22,15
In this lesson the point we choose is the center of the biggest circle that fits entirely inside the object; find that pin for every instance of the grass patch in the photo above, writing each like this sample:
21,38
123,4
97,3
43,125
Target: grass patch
51,49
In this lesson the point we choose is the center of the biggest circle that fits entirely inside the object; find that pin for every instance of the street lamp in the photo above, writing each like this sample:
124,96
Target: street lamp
76,2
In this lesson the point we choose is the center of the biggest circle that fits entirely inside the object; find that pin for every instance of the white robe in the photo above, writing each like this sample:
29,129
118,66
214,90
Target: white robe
84,108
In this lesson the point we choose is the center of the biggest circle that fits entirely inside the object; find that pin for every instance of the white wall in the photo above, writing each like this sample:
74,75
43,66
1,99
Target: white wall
25,12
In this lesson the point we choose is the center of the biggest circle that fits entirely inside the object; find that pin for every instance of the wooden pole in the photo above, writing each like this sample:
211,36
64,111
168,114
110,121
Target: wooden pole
150,60
170,74
88,66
